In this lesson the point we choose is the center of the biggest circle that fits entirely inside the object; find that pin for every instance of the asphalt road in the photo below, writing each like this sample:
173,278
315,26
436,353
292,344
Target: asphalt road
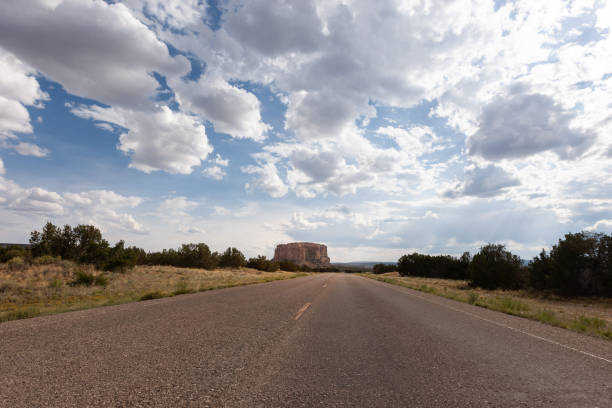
325,340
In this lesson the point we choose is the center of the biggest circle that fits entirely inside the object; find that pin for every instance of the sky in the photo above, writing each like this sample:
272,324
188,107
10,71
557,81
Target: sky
377,128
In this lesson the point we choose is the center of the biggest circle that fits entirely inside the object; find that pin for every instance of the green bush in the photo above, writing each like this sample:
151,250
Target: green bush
578,265
263,264
88,279
232,258
11,252
384,268
434,266
493,267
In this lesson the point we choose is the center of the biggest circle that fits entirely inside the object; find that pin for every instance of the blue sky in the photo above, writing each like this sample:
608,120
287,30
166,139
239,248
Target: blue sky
377,128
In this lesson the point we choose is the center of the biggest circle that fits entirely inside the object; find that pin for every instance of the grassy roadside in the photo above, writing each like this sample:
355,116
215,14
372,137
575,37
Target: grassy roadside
583,315
64,286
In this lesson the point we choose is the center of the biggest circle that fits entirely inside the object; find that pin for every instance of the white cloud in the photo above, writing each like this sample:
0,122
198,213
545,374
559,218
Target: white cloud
231,110
94,49
97,207
218,160
29,149
524,124
604,226
162,140
176,206
267,180
214,172
248,210
191,229
18,88
483,182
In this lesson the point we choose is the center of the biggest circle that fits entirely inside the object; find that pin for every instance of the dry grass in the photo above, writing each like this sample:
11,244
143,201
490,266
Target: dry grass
48,289
586,315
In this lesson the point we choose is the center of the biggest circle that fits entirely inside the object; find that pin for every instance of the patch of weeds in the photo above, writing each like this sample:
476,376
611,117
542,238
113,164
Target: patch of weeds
182,288
83,279
56,283
153,295
101,280
512,306
16,264
472,298
427,289
46,260
585,324
88,279
20,314
548,317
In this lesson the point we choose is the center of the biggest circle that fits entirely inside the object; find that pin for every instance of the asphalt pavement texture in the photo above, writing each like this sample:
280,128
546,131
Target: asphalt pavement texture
327,340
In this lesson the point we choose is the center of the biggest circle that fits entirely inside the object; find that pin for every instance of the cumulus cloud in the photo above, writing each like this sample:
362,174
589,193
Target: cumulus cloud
231,110
176,206
68,41
18,89
30,149
267,180
275,28
160,140
483,182
98,207
525,124
216,172
604,226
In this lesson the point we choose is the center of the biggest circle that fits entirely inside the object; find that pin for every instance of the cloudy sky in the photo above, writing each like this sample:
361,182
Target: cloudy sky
375,127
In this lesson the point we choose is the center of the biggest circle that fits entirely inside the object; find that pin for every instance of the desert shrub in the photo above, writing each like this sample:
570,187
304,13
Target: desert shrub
6,254
46,260
384,268
153,295
493,267
17,263
83,278
101,280
263,264
182,287
289,266
232,258
56,283
120,258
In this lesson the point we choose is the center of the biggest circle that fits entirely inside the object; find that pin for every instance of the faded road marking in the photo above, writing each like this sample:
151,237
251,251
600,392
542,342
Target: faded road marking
301,311
535,336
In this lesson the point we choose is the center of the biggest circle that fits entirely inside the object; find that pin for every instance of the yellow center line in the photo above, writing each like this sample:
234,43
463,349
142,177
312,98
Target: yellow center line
301,311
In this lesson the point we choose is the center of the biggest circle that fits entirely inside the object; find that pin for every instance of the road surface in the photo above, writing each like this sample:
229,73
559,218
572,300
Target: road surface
323,340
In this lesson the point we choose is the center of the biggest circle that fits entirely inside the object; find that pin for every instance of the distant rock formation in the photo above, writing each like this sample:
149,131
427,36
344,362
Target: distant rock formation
302,253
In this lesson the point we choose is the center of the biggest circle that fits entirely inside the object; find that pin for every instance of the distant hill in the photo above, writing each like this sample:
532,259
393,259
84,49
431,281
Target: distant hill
6,245
360,265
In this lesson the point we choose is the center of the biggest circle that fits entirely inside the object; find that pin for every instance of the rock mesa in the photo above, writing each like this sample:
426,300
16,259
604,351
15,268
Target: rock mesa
302,253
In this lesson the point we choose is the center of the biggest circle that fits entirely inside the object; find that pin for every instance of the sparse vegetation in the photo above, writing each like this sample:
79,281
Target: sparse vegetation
65,285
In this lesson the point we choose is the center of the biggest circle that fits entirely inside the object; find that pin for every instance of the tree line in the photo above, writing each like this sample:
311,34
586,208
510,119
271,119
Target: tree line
84,244
580,264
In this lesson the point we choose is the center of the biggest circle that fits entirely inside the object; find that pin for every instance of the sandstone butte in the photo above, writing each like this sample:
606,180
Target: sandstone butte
302,253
